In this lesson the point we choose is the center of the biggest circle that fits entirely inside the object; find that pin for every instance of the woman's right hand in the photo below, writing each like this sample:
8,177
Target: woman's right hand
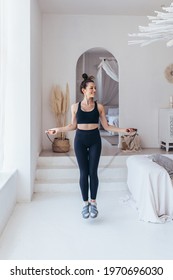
52,131
131,129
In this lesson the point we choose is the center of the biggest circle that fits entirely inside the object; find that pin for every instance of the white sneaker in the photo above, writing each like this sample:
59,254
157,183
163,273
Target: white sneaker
93,211
85,211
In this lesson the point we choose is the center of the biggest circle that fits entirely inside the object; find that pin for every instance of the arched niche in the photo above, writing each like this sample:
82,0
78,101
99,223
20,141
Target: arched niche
107,88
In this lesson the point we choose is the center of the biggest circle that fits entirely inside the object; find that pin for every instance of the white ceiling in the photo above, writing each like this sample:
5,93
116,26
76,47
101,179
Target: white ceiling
103,7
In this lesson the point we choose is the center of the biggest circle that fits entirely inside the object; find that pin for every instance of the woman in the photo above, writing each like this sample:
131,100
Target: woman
87,142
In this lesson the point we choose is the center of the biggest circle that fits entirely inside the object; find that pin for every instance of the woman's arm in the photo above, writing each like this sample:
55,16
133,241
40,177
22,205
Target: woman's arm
108,127
69,127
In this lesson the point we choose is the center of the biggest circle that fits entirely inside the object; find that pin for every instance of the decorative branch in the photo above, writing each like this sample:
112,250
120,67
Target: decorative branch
160,28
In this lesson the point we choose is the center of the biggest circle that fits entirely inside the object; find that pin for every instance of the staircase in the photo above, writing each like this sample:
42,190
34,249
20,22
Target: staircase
60,173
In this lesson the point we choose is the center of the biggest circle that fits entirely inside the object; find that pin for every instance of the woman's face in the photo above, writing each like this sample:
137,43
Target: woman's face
90,90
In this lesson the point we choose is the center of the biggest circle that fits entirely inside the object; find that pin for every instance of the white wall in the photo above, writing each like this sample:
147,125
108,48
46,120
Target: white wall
7,196
143,88
36,86
23,93
17,95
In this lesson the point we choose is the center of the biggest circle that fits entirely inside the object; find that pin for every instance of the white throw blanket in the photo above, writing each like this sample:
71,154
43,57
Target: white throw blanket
151,189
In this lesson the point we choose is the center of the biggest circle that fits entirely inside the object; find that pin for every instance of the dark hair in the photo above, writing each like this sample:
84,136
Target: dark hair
86,79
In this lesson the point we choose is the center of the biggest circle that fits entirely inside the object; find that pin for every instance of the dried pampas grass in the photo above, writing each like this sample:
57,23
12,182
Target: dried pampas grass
56,97
60,104
66,100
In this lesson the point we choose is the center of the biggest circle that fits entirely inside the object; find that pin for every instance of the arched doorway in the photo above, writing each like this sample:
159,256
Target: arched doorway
101,64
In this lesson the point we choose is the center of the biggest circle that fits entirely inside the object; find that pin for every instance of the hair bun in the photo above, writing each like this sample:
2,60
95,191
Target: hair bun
85,76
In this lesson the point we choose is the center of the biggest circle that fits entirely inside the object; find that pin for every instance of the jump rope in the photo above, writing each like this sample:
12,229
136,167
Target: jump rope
105,166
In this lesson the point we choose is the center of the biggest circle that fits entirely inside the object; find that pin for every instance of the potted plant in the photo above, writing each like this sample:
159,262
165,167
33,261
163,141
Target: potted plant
60,105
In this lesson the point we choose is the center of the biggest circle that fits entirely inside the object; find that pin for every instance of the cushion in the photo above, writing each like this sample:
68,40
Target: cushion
163,161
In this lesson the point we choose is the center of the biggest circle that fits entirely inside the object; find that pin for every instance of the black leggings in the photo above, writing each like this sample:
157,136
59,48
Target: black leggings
87,145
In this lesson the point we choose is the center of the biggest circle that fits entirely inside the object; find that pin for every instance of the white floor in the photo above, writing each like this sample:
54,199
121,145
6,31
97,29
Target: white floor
51,227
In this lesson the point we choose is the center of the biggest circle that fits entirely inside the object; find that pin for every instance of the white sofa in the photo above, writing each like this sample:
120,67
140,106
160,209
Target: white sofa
151,189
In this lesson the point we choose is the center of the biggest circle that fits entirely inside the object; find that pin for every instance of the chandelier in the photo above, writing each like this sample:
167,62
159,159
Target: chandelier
160,28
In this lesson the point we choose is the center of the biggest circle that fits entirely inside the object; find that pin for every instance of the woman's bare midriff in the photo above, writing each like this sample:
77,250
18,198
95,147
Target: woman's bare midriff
88,126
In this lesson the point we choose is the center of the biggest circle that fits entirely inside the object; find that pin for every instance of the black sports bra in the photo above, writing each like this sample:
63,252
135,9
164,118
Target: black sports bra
84,117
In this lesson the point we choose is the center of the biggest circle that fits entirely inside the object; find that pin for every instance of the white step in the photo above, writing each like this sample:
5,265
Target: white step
73,172
57,161
68,185
61,173
71,160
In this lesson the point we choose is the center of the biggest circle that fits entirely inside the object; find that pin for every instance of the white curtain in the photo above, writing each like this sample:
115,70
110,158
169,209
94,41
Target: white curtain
107,82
